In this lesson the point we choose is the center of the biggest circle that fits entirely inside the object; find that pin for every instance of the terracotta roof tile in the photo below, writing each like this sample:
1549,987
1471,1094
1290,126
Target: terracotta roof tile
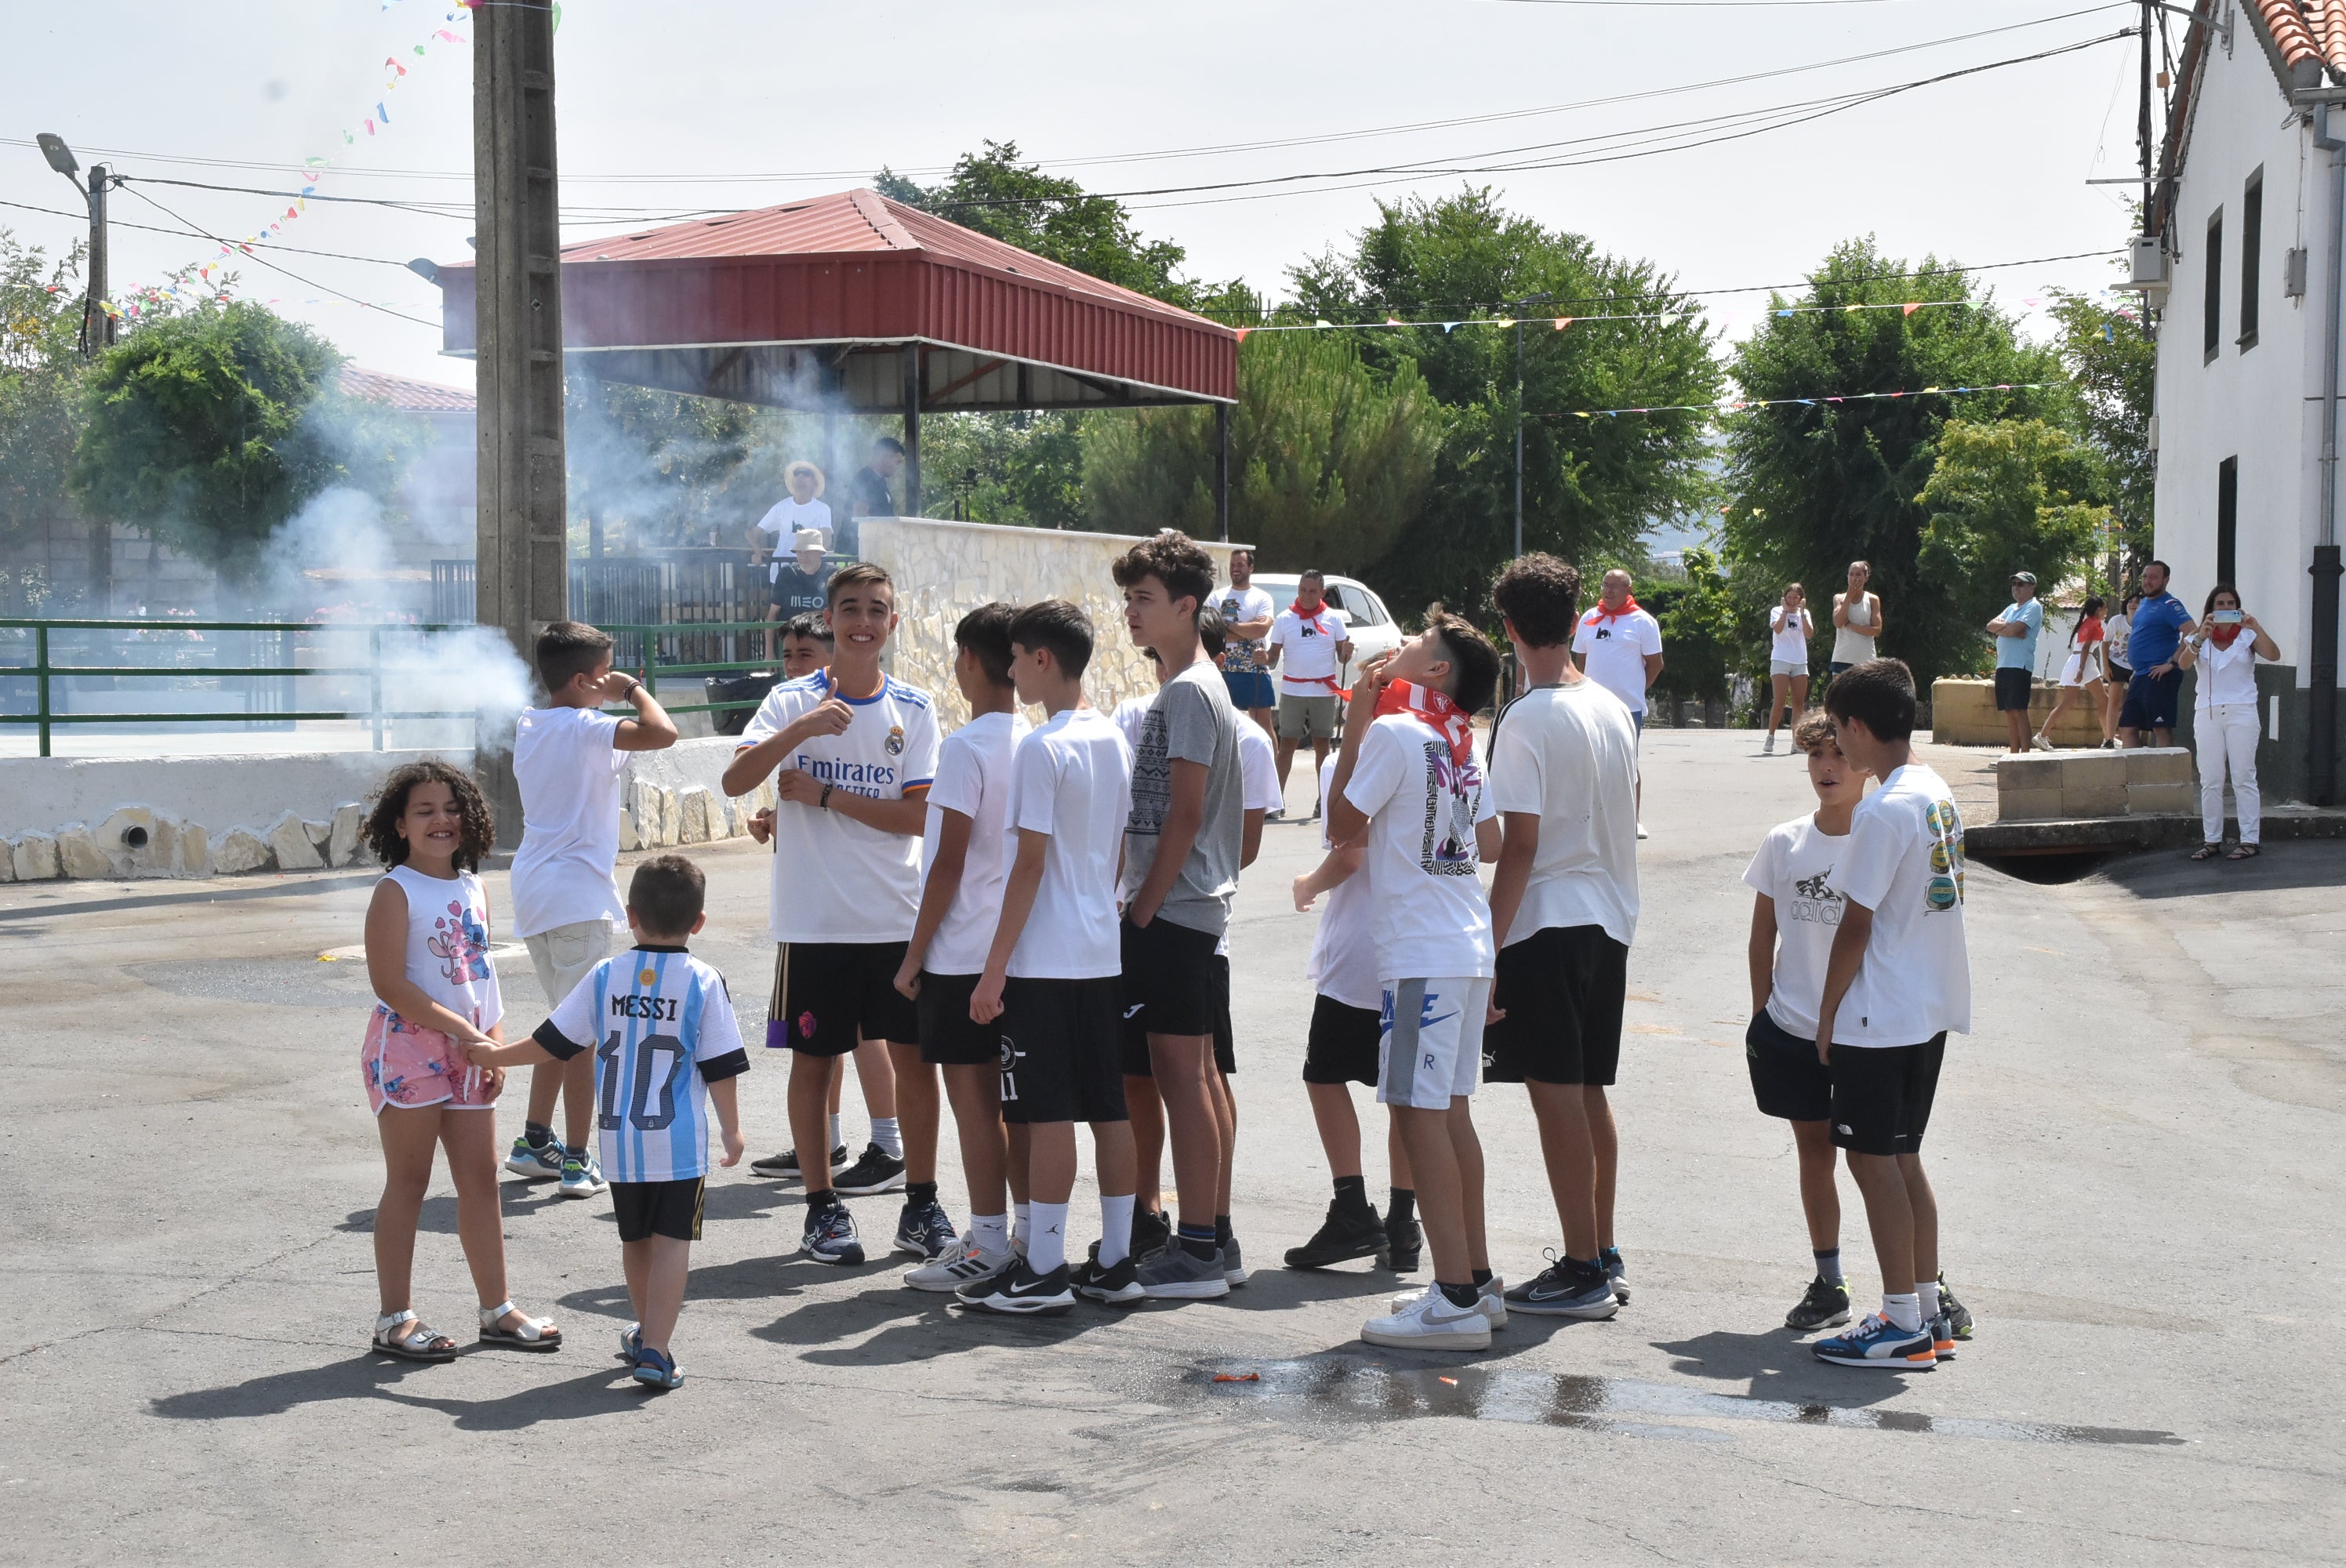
405,395
2307,30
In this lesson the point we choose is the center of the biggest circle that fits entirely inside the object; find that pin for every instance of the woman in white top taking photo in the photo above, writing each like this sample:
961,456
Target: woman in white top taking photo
1857,620
2226,720
1789,629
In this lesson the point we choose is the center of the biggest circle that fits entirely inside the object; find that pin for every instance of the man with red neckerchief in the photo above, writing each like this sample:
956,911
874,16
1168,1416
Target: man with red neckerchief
1307,645
1620,646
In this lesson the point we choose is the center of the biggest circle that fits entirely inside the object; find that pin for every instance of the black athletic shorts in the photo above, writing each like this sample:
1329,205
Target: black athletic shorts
649,1208
1058,1051
1562,989
1343,1045
2014,687
1881,1095
2152,700
827,996
1787,1079
1170,983
948,1037
1135,1029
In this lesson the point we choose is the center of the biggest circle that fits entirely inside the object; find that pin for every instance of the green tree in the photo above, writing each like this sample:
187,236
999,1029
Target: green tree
1029,467
2013,495
1330,461
1591,485
1818,484
660,469
41,371
2113,361
1705,638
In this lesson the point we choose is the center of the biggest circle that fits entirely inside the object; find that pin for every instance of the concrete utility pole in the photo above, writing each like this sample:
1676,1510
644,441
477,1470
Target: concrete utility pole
521,570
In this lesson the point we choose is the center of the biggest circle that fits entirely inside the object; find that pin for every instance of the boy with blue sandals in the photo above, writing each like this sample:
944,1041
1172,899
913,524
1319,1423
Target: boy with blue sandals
659,1026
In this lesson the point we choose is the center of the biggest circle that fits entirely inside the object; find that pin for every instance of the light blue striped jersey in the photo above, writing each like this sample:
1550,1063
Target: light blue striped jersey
662,1026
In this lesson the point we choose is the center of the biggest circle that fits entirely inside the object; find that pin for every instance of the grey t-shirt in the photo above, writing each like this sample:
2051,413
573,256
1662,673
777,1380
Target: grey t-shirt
1191,721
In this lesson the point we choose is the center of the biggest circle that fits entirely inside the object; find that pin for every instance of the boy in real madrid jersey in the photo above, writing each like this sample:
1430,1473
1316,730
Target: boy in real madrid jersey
666,1049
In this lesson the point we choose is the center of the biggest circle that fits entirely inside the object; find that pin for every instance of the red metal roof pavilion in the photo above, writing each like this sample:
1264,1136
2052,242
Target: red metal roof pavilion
855,303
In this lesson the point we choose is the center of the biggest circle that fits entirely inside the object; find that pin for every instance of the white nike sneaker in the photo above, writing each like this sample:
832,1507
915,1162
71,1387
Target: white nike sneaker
1430,1323
1491,1297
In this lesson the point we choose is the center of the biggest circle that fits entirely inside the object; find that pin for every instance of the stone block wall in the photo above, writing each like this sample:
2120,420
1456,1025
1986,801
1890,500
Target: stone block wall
1962,713
945,569
2058,787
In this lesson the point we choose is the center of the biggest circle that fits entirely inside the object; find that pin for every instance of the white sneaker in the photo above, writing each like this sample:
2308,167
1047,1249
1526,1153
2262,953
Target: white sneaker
969,1267
1430,1323
1767,747
1492,1298
2041,744
1641,832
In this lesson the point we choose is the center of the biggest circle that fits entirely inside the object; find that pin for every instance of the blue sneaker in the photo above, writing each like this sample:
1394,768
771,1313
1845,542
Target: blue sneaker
830,1235
1877,1343
1565,1290
658,1368
582,1175
927,1234
538,1162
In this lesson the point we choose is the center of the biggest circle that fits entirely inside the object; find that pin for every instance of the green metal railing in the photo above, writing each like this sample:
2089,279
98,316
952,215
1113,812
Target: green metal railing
42,670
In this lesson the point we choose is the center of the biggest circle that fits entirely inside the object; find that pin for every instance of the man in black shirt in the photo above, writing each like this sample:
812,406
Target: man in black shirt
803,585
867,492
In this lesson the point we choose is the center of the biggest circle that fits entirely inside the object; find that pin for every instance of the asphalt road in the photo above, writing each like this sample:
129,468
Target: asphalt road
2136,1154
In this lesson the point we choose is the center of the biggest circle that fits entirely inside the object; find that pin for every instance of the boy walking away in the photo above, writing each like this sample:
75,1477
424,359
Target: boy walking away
567,758
1347,1022
1309,645
657,1026
965,854
1050,991
1182,845
1898,978
856,752
1407,781
1563,774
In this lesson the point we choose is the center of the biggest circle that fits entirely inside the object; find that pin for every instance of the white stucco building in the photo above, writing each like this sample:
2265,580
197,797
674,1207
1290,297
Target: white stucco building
2248,211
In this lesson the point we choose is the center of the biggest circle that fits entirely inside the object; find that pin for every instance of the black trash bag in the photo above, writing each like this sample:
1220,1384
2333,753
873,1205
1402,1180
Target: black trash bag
751,687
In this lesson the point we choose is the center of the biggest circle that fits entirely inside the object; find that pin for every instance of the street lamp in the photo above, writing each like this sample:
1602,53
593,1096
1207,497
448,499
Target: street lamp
60,156
93,307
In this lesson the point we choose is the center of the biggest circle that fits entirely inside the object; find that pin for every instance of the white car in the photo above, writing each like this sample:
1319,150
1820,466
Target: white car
1374,629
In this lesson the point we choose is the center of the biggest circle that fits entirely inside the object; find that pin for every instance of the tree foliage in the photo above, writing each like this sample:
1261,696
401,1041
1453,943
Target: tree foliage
660,469
1330,461
2112,362
40,396
1591,486
1025,469
1705,637
2013,495
1817,486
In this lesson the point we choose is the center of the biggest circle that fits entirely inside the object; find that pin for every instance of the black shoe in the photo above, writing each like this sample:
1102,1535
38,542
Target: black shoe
1402,1244
872,1172
831,1236
1958,1316
1020,1292
786,1164
1350,1231
1825,1306
1151,1231
1115,1286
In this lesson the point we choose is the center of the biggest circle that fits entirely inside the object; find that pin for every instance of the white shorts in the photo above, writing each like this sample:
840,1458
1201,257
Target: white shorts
1788,667
2076,673
1430,1040
566,955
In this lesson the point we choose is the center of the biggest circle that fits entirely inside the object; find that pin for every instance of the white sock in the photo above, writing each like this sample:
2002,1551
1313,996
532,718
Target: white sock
1927,1294
889,1136
1047,1249
1902,1312
1022,1230
1116,1229
835,1137
991,1232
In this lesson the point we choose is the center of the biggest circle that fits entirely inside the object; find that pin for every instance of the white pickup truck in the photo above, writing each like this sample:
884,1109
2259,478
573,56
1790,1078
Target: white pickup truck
1374,630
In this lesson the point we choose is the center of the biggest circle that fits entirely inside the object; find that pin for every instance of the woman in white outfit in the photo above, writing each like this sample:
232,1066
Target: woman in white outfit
2226,720
1789,629
2084,670
1857,620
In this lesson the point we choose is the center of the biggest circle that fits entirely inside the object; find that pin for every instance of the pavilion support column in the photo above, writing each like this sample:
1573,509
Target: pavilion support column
1222,472
912,430
521,571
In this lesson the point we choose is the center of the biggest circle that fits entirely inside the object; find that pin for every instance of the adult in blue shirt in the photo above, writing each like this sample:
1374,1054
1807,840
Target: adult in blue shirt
2015,632
2160,625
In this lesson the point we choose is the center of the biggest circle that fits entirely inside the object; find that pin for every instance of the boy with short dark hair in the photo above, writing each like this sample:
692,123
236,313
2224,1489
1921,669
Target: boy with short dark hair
1407,781
806,645
1897,981
567,758
1050,990
657,1024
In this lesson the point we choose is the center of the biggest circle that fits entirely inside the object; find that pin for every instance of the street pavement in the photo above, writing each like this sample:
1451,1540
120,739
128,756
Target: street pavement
2136,1153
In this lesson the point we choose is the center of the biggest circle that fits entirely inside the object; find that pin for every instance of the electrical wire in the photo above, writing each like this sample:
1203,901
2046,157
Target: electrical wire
273,267
196,234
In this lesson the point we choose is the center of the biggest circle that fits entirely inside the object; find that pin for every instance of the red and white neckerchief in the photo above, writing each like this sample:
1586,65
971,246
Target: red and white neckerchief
1329,627
1599,613
1436,711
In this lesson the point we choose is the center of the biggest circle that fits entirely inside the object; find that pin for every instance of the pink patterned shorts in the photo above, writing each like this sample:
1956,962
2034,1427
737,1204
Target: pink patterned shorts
412,1068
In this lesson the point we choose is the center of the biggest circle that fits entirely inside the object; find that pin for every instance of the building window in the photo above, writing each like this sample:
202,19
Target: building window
2252,223
2228,520
2211,309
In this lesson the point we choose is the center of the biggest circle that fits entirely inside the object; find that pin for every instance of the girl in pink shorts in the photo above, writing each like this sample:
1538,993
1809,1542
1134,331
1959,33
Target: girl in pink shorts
427,948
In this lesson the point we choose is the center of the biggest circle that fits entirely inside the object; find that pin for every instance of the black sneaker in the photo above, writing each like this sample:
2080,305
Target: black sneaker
1350,1231
1958,1316
926,1233
831,1236
1565,1290
786,1164
872,1172
1825,1306
1151,1231
1118,1286
1019,1292
1403,1242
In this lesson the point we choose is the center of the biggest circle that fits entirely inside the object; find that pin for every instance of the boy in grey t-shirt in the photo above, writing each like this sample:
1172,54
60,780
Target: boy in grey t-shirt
1182,846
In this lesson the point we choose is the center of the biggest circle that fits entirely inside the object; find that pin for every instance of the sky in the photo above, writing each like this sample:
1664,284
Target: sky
722,104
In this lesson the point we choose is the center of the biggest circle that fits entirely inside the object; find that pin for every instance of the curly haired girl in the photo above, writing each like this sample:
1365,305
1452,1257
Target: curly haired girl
427,948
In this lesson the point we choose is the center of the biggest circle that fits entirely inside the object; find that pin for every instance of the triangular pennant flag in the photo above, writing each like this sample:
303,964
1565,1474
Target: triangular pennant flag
1562,322
1505,322
1242,333
1446,326
1318,321
381,116
1911,307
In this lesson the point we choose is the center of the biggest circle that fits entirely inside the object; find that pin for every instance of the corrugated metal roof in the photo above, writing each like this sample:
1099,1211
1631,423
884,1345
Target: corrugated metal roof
404,393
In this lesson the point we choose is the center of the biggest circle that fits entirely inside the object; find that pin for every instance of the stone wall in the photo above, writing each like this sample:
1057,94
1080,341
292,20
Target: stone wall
2147,781
1962,713
944,569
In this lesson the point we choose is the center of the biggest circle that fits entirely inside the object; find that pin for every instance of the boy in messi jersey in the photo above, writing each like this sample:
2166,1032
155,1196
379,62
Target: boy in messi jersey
666,1049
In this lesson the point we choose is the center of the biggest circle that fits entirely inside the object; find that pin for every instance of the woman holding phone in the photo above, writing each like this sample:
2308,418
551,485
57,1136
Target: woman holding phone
1789,630
2228,722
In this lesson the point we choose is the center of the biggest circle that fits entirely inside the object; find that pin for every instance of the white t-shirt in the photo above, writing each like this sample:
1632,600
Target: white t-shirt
448,945
1431,920
1072,778
1568,754
1794,867
1128,715
784,518
568,773
1307,654
1613,652
1259,766
2227,675
1344,965
835,880
973,779
662,1029
1242,656
1905,863
1789,635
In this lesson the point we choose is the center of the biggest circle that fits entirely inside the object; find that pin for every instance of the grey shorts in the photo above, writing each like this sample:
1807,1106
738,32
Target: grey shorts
566,955
1306,717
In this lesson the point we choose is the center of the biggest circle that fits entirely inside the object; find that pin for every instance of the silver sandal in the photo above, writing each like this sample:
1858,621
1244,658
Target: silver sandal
535,1333
419,1343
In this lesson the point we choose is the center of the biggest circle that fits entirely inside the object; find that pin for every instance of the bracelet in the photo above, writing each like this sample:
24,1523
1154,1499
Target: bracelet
824,799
